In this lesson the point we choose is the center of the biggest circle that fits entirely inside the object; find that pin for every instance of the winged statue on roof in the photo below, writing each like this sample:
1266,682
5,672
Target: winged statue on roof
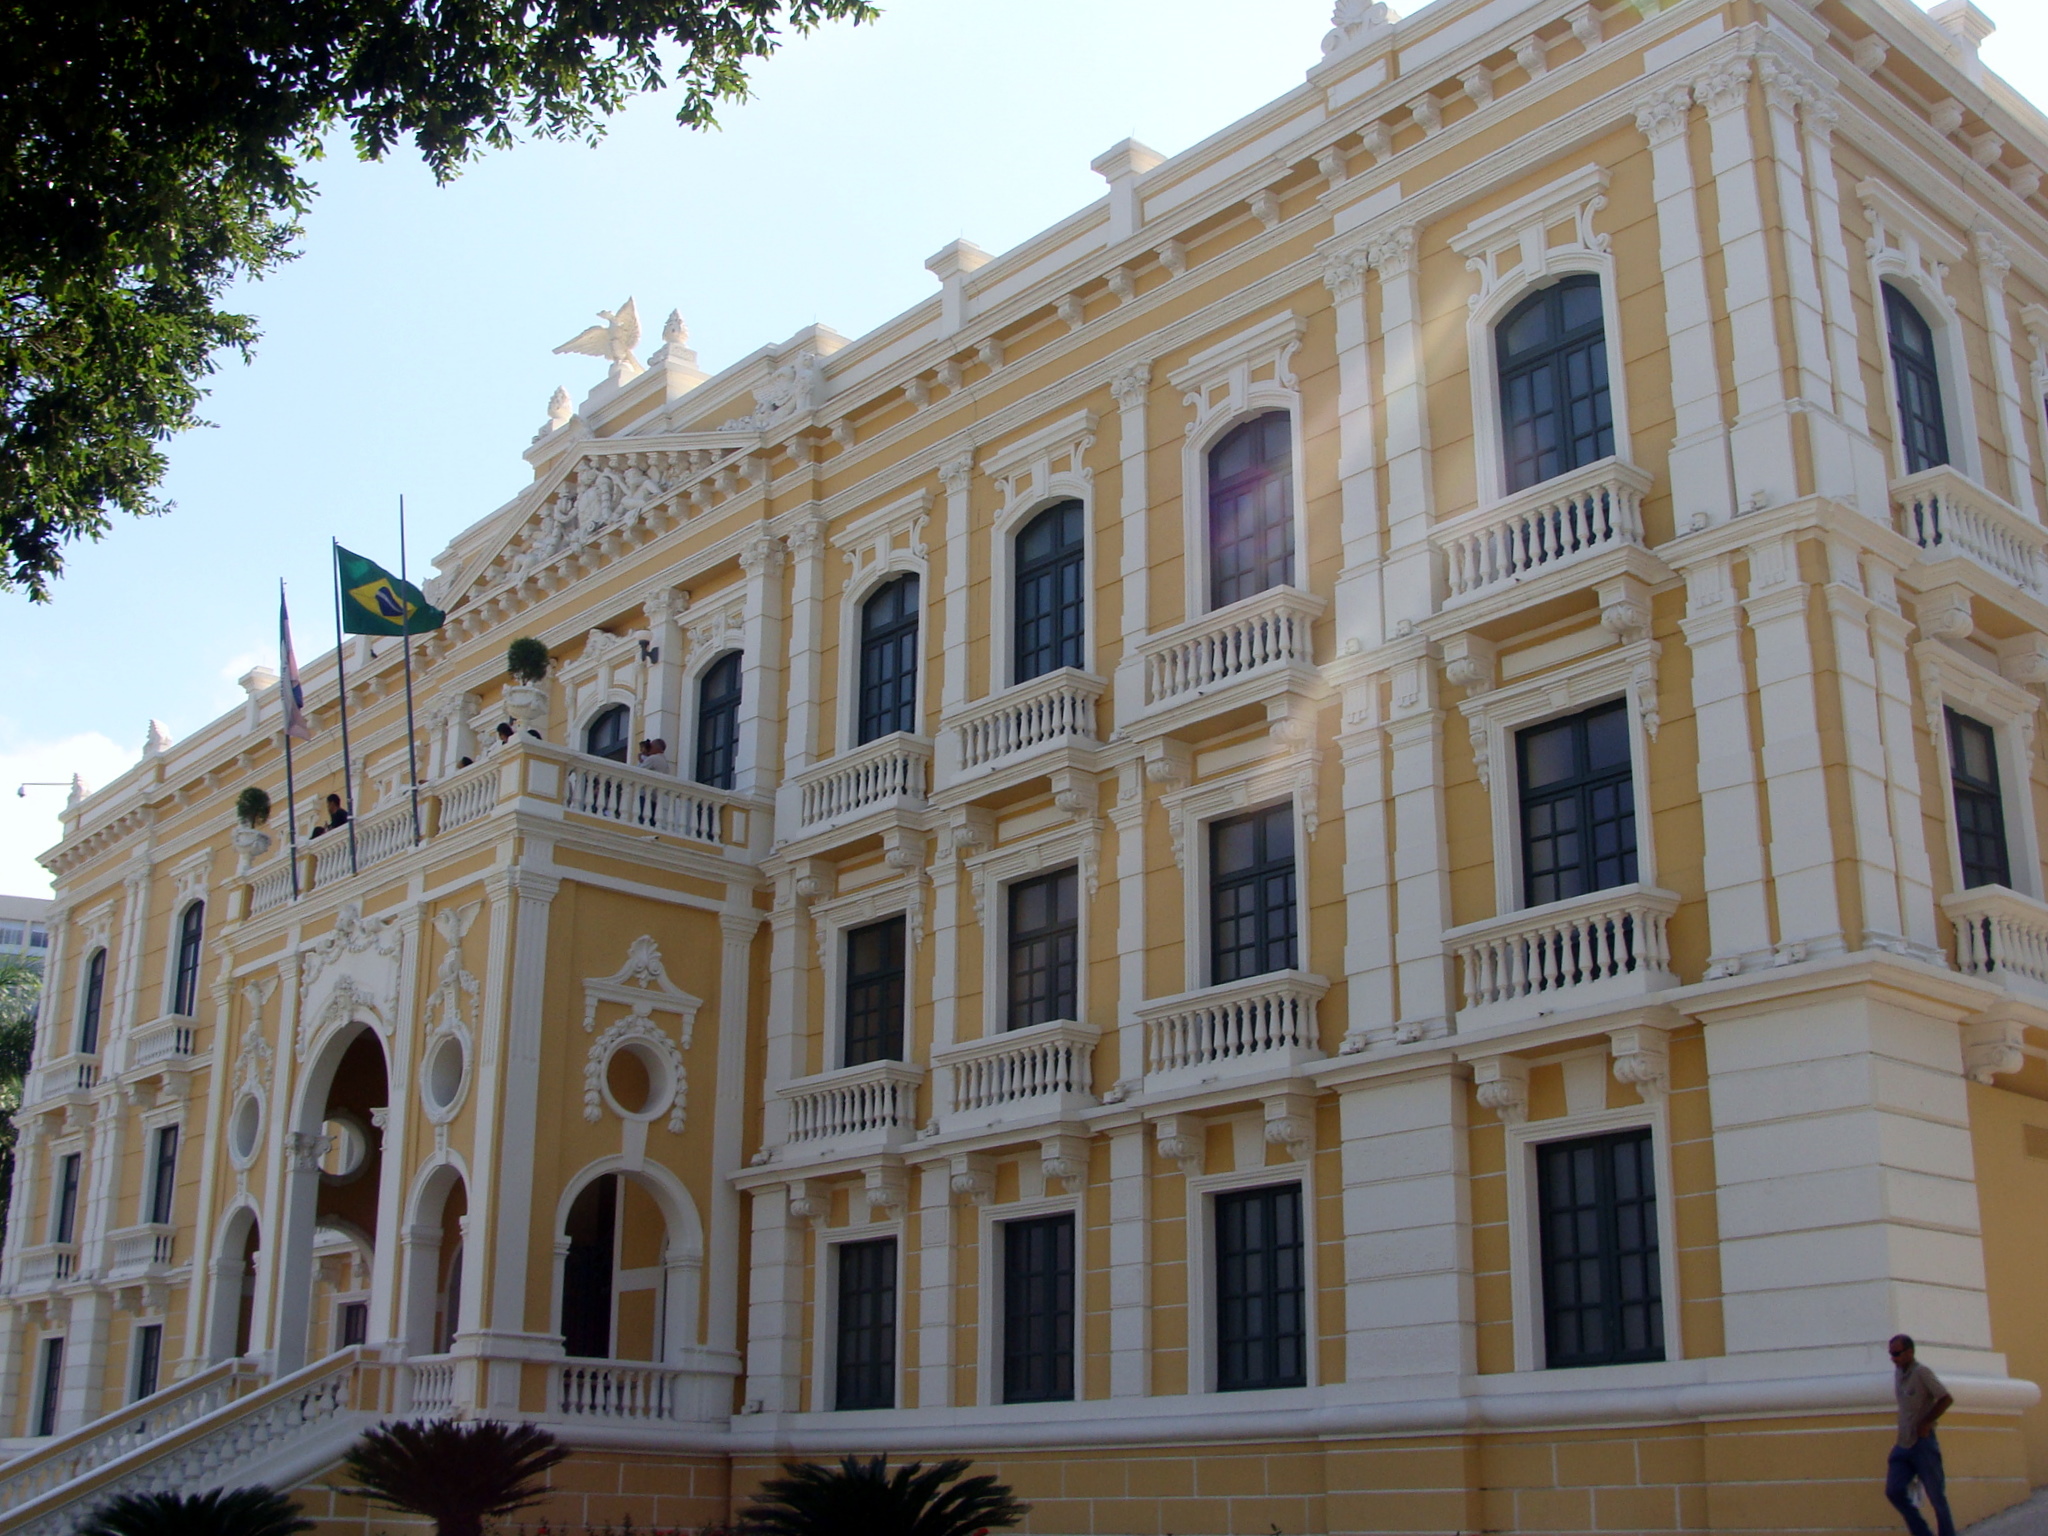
614,341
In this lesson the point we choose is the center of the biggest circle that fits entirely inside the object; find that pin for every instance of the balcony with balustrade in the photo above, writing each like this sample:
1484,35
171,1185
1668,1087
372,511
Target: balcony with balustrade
602,799
171,1042
68,1077
1025,732
1017,1079
1240,1034
859,793
145,1252
1950,517
2002,936
850,1112
44,1265
1253,659
1588,952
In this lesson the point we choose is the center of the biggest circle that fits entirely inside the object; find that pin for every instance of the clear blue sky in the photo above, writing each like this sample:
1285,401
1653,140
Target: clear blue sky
408,349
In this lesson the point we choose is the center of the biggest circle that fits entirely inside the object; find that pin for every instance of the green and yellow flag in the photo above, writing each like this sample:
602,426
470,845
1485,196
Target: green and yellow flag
375,602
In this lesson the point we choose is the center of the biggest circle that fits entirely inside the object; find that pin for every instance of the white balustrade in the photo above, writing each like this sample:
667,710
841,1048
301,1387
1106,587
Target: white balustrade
1274,629
146,1247
430,1384
1241,1027
169,1038
48,1263
1946,514
377,838
1611,943
1562,520
872,1103
212,1449
273,887
465,799
648,802
75,1455
630,1394
891,771
77,1074
2002,935
1041,1071
1059,706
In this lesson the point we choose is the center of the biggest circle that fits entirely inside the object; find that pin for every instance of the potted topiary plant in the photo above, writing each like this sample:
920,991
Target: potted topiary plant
252,810
526,695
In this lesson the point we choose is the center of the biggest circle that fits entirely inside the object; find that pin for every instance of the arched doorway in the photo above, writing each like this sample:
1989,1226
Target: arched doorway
433,1264
231,1310
336,1170
631,1259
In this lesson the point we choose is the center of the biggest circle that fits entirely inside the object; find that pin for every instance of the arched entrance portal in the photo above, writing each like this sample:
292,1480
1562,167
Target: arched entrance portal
335,1199
433,1303
631,1251
231,1313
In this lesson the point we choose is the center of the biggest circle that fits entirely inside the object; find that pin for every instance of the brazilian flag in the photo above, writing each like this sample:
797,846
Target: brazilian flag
375,602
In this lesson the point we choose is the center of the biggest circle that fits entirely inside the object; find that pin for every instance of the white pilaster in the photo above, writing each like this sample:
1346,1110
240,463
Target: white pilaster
1422,889
937,1242
757,758
1359,622
1408,582
775,1305
1368,906
957,475
1130,1264
1994,264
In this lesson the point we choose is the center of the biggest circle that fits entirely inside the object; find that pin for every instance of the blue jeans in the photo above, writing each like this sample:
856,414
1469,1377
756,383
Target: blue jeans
1921,1460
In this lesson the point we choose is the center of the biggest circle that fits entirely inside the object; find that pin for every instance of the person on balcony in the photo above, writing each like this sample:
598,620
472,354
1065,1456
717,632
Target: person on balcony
654,756
337,817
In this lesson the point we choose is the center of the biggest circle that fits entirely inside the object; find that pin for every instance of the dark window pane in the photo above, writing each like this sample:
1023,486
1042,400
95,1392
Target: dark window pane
1251,510
1050,592
164,1175
1918,377
1038,1310
1551,357
1251,894
866,1377
874,993
587,1270
64,1228
1980,807
1261,1329
51,1384
606,736
1044,949
1602,1287
95,996
888,660
1578,805
718,721
149,1354
185,989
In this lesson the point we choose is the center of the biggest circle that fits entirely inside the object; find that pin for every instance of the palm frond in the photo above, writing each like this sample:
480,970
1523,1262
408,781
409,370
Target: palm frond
456,1474
223,1512
815,1500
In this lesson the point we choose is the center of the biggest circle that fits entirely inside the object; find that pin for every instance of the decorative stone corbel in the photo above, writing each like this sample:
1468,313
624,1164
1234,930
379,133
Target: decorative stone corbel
1503,1087
1469,663
1064,1161
1642,1058
1169,764
813,880
1290,1123
973,1176
1992,1048
2024,659
903,849
1174,257
302,1152
1265,208
886,1189
1943,613
1075,793
1181,1139
807,1200
1625,608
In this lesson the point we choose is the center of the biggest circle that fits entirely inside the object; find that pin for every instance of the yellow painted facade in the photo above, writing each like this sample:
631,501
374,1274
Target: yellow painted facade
588,1099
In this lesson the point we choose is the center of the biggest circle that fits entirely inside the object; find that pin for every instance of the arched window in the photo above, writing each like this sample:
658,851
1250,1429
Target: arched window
606,736
888,660
1555,412
1251,510
1050,576
95,995
718,721
185,989
1918,378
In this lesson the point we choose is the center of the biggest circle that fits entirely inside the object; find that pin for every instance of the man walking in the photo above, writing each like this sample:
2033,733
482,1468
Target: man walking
1922,1399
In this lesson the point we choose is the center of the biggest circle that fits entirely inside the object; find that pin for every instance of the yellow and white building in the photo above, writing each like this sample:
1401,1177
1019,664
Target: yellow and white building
1353,845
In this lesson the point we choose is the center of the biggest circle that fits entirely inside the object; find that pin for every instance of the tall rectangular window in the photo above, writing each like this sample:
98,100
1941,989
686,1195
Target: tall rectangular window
1251,509
1261,1325
1578,804
64,1228
149,1355
89,1011
47,1389
875,994
163,1174
1045,938
888,661
185,988
1916,373
866,1374
352,1325
1051,593
1038,1310
1602,1289
1556,411
718,722
1980,808
1251,894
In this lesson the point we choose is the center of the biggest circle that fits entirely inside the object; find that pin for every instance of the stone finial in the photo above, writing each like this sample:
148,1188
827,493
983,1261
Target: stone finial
673,331
78,791
560,409
157,741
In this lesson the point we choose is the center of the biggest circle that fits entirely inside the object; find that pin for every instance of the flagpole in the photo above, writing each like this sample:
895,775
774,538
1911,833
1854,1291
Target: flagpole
412,752
348,783
291,791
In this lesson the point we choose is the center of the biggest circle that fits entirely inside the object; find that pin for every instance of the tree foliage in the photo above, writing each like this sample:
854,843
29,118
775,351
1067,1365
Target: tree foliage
865,1496
224,1512
457,1474
155,152
21,984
